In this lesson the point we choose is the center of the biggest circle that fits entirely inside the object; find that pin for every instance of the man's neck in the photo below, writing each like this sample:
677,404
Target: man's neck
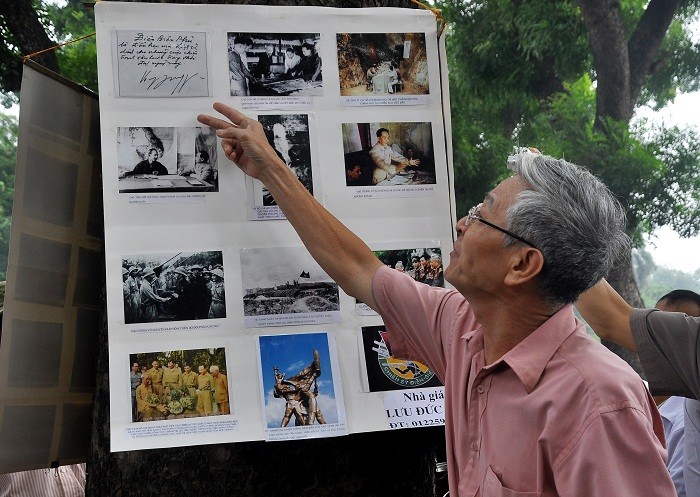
506,324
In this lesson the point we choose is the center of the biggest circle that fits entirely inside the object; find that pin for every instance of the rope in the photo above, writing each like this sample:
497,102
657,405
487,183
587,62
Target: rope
27,57
436,12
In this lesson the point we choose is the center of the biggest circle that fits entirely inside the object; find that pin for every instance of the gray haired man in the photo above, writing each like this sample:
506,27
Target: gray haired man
533,406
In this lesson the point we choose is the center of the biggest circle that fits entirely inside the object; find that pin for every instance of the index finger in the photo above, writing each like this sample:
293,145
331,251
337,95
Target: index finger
213,122
236,117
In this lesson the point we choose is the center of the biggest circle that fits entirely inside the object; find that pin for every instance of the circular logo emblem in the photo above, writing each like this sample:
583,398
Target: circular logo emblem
404,372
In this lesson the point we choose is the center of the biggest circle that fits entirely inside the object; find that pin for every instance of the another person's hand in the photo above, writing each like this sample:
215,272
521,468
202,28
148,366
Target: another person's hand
244,140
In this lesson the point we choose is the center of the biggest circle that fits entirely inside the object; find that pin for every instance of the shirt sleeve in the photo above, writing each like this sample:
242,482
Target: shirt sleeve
667,344
618,454
675,447
418,317
376,156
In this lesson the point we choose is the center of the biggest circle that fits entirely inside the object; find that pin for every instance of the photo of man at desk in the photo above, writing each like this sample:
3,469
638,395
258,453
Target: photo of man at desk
166,160
388,154
281,64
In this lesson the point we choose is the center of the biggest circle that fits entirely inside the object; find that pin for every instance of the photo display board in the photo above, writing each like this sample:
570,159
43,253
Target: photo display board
222,328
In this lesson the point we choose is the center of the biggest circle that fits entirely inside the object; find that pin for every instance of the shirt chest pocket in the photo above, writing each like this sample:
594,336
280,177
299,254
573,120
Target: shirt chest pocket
492,487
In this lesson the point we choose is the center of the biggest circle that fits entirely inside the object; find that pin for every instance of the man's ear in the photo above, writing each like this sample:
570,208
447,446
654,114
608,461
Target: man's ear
525,264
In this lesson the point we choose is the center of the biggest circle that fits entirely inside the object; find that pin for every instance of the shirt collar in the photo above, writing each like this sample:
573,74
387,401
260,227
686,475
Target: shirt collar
529,358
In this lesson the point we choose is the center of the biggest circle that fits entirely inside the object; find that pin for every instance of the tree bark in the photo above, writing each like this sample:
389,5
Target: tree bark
370,464
622,67
29,36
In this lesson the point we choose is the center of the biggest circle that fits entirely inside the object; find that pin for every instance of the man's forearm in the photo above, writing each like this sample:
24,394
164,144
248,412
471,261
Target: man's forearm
341,253
608,314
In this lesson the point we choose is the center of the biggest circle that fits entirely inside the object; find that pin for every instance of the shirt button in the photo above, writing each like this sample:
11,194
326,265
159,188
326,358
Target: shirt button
480,389
475,446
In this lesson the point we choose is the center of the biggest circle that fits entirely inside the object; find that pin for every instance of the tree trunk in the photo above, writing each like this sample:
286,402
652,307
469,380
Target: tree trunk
29,36
622,67
370,464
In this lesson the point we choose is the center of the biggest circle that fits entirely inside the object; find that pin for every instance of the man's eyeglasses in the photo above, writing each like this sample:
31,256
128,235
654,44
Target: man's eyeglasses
472,214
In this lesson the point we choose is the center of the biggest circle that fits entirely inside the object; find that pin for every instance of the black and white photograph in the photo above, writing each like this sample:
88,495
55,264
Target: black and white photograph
167,160
177,286
289,136
423,264
274,64
382,64
176,384
284,286
388,154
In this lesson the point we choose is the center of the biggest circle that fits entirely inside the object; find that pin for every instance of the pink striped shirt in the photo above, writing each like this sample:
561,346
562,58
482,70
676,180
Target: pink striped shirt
558,414
68,482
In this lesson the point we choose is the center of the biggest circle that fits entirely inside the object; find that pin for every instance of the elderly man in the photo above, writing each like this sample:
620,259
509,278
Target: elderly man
220,390
533,406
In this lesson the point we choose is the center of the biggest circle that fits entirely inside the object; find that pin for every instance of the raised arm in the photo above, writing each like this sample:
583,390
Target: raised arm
608,314
338,251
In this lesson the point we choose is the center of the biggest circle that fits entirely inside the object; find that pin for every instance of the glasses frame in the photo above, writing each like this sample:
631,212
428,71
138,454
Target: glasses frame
472,215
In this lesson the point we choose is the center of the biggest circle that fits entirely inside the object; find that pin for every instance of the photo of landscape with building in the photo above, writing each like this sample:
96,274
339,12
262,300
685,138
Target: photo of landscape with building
285,281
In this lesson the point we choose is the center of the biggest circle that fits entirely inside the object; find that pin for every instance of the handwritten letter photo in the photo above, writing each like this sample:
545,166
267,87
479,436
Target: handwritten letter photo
161,64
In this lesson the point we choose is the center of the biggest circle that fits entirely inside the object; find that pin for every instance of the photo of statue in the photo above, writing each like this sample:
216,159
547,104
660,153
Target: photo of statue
300,392
301,396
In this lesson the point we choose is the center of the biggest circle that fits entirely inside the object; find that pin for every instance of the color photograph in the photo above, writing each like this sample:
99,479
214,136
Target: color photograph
382,64
386,372
297,377
178,384
388,154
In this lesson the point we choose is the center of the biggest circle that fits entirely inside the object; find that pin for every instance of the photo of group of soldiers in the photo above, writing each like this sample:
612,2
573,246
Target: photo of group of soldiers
173,287
172,392
423,264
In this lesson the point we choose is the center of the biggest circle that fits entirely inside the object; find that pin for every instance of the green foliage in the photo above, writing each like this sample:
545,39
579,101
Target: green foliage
663,280
521,73
8,153
78,61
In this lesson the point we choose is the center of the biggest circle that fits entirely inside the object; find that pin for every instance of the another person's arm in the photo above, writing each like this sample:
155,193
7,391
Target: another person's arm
340,252
608,314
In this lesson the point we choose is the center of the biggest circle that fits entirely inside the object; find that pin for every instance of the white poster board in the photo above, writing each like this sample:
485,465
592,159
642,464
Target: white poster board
180,214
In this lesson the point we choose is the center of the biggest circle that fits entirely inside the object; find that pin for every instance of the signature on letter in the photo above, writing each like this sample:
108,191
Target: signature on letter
156,81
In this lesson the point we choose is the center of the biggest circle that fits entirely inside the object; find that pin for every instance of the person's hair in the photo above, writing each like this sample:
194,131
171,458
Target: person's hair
349,166
680,296
243,40
573,219
308,46
382,130
290,50
213,369
204,155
